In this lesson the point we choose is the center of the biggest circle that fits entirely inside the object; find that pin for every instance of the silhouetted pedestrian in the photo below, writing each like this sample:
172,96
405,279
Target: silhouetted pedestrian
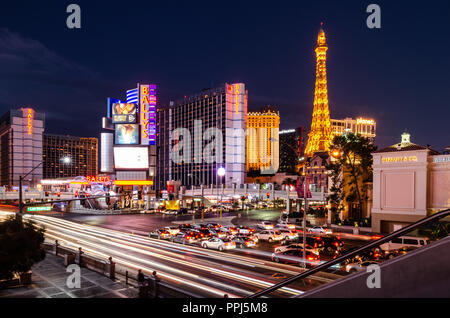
156,281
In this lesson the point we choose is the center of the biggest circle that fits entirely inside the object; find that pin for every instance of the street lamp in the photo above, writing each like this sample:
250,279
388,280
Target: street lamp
221,173
65,160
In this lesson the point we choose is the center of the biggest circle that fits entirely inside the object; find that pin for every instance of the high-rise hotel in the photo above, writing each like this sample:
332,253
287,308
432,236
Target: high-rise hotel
200,134
263,140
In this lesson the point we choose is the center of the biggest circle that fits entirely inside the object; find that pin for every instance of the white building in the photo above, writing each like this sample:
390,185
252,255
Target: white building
21,147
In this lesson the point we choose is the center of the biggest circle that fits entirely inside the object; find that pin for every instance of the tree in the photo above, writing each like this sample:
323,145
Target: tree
356,160
20,247
336,190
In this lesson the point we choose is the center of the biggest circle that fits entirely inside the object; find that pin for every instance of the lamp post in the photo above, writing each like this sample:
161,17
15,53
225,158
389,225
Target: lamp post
65,160
221,173
305,196
201,195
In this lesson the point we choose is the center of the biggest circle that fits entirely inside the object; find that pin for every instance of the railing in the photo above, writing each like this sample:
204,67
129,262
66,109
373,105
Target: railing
114,270
437,217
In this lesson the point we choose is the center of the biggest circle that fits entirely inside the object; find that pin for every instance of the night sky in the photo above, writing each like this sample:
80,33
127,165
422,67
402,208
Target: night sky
398,74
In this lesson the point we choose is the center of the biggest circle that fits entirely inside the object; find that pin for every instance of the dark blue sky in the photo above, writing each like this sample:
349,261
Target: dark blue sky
398,75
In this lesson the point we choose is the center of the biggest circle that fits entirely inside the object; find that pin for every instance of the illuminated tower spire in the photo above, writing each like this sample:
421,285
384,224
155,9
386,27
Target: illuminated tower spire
320,136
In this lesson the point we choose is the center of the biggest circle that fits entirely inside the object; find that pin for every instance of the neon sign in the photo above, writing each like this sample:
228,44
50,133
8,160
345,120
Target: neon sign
237,97
365,121
98,179
30,121
148,114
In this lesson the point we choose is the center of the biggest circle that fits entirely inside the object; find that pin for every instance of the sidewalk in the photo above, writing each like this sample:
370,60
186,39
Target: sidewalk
49,281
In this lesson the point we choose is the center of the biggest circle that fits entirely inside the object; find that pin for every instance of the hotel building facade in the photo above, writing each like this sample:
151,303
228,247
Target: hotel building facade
200,134
263,141
82,152
21,147
410,181
363,126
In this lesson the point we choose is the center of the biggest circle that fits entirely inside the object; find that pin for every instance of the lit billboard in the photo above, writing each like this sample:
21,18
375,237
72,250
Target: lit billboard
131,157
127,134
147,99
123,113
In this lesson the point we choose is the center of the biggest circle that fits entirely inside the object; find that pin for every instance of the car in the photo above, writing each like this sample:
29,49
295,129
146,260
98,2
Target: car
314,241
295,256
287,234
403,241
401,251
213,226
183,238
332,244
205,233
231,229
172,230
218,233
219,244
359,267
269,235
265,225
186,226
245,229
160,234
247,236
283,248
320,230
243,241
285,225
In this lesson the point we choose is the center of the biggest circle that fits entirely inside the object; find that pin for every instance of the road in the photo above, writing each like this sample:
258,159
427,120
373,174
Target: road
204,273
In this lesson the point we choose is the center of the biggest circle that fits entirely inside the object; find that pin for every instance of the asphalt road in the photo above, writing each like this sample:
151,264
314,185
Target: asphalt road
206,273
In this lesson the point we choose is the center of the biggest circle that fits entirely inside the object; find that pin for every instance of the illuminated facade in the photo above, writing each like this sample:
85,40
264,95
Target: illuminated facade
263,140
195,118
21,146
366,127
83,154
128,144
320,135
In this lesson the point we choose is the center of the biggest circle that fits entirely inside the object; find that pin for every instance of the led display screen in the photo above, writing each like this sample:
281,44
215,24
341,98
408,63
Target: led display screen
131,157
123,113
127,134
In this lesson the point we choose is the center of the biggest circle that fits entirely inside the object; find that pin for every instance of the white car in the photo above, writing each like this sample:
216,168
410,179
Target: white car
219,244
321,230
172,230
404,241
265,225
358,267
269,235
283,248
287,234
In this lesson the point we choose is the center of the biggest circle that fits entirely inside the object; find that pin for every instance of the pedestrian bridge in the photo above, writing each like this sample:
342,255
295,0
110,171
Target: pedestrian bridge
249,189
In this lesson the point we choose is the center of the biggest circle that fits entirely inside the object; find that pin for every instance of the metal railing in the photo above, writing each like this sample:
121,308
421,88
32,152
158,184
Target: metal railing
366,247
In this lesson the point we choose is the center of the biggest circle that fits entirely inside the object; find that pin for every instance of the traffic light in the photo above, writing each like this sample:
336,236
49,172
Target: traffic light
46,193
76,194
268,195
58,194
108,199
139,195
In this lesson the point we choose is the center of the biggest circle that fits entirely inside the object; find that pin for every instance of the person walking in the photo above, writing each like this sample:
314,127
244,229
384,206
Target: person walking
143,290
156,281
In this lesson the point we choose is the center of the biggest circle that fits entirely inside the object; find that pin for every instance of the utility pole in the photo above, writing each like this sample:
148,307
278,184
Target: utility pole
305,196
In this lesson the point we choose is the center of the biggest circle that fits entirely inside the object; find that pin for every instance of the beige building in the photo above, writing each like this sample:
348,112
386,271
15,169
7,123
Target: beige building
409,182
263,141
363,126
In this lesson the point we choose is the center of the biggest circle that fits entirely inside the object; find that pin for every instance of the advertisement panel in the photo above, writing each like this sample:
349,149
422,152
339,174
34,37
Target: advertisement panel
123,113
127,134
131,157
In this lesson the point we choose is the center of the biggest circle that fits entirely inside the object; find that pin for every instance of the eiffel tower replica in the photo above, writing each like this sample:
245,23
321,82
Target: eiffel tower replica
320,136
